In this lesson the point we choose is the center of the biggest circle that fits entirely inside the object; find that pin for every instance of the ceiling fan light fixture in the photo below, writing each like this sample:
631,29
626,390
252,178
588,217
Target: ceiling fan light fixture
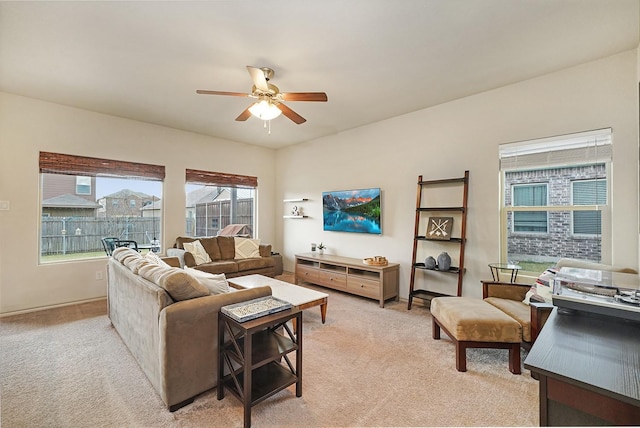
265,110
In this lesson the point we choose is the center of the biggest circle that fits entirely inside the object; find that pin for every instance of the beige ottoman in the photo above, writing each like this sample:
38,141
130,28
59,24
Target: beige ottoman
474,323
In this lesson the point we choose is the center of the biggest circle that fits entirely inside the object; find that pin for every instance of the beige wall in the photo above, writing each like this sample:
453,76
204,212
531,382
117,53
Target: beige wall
438,142
442,142
28,126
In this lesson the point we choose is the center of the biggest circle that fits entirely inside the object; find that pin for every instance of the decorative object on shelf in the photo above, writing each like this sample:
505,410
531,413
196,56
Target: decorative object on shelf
444,261
313,246
296,211
439,228
376,261
321,248
430,263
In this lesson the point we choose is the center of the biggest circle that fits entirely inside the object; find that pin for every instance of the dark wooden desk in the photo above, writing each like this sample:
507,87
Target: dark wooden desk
589,368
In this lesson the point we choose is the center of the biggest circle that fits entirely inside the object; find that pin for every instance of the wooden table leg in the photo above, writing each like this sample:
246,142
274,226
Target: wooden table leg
323,311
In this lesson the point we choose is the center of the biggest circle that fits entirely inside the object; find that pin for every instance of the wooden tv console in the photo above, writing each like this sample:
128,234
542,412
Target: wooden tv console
349,275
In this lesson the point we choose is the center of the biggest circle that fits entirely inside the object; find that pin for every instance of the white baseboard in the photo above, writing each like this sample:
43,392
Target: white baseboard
44,308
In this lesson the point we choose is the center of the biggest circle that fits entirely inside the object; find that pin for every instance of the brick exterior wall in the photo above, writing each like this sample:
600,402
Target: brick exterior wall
559,240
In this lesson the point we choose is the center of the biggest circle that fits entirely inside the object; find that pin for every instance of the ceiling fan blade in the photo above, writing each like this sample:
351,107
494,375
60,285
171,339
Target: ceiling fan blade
304,96
246,114
235,94
291,114
257,75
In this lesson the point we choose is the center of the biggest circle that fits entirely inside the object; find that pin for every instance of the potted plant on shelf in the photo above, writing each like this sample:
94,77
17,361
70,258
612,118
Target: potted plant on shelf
321,248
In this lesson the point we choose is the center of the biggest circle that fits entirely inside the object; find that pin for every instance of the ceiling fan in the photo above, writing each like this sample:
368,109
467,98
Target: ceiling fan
269,99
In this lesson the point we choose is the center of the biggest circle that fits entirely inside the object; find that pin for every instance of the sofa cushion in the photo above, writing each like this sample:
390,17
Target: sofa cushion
180,240
516,310
211,247
227,247
221,266
153,272
255,263
246,248
121,252
135,263
471,319
197,250
216,283
182,286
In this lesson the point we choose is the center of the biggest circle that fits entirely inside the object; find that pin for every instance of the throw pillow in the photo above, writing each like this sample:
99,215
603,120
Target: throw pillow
216,283
154,258
246,248
199,253
182,286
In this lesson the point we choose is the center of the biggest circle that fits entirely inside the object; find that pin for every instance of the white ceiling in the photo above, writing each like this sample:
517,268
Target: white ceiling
375,59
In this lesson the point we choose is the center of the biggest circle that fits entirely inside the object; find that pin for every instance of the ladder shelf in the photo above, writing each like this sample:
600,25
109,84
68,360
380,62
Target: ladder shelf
460,213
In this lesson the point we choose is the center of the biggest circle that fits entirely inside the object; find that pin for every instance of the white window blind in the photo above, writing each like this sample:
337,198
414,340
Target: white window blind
572,149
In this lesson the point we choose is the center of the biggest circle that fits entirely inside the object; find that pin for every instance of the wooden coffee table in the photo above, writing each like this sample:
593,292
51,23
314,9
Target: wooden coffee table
299,297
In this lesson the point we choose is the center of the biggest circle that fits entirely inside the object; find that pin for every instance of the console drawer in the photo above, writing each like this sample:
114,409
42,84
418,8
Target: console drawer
332,279
305,273
363,287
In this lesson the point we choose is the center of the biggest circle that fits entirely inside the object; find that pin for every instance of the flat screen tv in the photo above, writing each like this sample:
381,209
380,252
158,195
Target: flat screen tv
352,211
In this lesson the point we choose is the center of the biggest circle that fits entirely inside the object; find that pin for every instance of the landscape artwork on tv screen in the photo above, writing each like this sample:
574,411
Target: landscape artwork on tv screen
352,211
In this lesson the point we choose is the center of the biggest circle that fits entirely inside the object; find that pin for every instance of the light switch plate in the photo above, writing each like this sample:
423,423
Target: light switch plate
4,205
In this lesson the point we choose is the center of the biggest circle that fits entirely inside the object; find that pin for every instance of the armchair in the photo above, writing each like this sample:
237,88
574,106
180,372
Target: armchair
508,297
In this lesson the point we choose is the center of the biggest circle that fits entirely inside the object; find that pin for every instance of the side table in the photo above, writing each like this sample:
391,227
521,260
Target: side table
254,361
497,267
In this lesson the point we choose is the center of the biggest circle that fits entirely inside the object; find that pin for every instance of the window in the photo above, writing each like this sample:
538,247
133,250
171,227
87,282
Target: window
554,200
531,195
588,192
83,185
73,223
217,200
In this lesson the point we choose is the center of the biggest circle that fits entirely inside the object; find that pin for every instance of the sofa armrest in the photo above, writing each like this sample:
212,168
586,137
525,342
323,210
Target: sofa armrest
505,290
539,314
177,252
172,261
189,343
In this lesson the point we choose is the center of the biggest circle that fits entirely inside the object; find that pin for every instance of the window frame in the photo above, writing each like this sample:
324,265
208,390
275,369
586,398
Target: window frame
584,149
534,208
94,168
78,184
222,181
606,203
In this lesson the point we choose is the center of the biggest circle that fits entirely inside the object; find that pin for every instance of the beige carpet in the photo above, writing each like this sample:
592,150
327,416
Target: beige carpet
366,366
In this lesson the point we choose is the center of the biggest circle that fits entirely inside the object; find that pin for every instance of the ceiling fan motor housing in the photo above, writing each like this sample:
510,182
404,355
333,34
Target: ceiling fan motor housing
268,73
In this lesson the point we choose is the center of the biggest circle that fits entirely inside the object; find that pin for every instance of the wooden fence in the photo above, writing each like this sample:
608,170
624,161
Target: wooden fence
67,235
211,217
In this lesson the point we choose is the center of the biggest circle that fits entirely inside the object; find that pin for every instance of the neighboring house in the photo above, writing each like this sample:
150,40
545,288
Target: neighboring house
68,196
548,235
212,212
69,206
124,203
200,195
153,208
